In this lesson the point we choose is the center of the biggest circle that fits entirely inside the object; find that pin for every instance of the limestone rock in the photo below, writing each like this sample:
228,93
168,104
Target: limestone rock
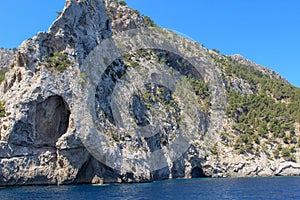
6,58
241,86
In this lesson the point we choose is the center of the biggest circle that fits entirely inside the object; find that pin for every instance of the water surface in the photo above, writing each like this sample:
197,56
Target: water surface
241,188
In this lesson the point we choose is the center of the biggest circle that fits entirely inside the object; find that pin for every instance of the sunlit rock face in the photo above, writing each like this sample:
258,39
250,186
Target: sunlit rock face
6,58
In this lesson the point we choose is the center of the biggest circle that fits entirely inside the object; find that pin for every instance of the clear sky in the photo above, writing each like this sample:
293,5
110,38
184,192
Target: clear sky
265,31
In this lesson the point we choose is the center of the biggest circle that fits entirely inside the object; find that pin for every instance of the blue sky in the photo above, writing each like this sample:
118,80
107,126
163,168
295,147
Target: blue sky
265,31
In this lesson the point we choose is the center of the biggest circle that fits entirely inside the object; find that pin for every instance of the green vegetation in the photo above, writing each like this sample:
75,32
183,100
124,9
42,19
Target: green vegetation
200,88
214,150
165,99
93,4
58,61
2,109
287,153
202,92
127,135
263,120
122,3
83,77
149,22
2,75
115,137
129,61
267,115
215,50
30,48
159,94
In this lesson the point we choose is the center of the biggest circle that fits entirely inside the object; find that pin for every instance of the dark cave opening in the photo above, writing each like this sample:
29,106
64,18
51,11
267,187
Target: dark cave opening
51,120
197,172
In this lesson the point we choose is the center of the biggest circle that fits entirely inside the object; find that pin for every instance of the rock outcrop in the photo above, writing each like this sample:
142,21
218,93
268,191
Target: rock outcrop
37,133
264,70
6,58
66,123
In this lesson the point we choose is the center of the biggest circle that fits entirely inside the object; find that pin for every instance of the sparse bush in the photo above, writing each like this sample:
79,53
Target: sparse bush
215,50
122,3
83,77
276,153
127,135
2,75
115,137
214,150
287,154
59,61
149,22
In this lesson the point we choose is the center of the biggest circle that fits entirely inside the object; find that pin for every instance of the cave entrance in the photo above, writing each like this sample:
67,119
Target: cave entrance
197,172
51,120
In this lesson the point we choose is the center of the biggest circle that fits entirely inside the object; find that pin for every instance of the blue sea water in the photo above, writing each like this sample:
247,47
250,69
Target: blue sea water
239,188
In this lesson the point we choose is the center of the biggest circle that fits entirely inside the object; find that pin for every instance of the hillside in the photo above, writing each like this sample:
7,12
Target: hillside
106,95
263,110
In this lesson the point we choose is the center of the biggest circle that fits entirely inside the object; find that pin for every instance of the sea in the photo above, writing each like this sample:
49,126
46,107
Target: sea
204,188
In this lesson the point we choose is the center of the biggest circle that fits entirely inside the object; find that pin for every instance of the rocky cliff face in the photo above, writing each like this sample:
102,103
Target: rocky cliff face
106,96
6,57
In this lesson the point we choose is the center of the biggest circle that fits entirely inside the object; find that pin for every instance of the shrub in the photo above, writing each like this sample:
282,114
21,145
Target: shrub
287,154
2,109
59,61
149,22
2,75
276,153
122,3
214,150
215,50
115,137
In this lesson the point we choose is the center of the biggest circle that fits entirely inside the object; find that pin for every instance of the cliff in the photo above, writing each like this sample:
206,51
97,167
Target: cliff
105,96
6,56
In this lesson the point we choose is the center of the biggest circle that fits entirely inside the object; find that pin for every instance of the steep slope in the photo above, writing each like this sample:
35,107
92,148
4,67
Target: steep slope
262,112
107,96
